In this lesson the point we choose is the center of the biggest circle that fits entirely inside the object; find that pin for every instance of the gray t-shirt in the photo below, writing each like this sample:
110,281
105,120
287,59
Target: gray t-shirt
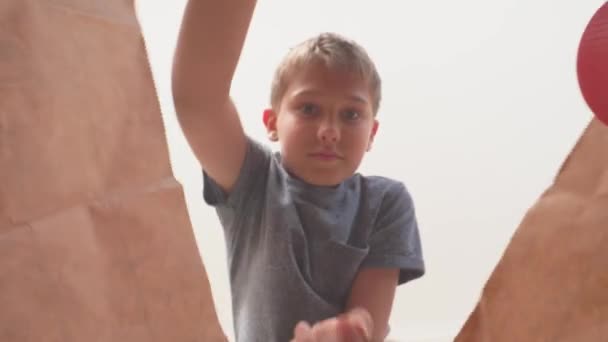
294,249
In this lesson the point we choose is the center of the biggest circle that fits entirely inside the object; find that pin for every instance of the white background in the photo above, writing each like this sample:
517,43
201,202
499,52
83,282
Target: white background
481,105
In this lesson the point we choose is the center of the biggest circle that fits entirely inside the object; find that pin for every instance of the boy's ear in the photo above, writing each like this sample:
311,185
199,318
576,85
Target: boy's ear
372,134
270,121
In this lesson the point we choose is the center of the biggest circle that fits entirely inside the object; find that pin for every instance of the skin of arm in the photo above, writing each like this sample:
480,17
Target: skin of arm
208,48
374,291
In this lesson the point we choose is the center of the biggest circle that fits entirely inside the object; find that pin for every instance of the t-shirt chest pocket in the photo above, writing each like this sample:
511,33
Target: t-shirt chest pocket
333,268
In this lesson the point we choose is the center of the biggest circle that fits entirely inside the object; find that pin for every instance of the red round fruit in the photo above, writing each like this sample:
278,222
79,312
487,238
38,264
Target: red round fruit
592,64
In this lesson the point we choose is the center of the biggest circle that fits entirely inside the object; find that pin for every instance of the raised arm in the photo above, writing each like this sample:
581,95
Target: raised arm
208,49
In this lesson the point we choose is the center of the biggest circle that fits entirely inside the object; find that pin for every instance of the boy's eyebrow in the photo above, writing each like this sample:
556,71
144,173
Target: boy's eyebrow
309,92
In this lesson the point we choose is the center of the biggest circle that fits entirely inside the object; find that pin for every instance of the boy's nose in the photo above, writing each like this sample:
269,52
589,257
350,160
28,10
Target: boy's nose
329,133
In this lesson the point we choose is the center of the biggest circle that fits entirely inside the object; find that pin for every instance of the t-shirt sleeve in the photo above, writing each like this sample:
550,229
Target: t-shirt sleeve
395,240
250,181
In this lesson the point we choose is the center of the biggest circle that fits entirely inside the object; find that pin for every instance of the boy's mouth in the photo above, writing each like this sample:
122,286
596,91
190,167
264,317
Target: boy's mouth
325,155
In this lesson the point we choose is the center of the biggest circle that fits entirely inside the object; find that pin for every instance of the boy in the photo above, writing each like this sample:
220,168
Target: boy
315,250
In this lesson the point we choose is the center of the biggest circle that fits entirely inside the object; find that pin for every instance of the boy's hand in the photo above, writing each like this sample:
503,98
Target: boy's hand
353,326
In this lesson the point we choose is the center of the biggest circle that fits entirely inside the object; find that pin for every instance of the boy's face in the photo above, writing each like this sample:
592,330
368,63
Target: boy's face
325,124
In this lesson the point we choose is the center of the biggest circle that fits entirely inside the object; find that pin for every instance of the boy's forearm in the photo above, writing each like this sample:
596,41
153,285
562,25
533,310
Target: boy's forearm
208,48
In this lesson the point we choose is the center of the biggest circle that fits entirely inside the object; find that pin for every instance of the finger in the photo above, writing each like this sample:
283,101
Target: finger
349,330
303,333
326,331
361,322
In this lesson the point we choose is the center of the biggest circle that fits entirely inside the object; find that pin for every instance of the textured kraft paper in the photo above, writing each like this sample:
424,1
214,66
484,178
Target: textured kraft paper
95,239
551,283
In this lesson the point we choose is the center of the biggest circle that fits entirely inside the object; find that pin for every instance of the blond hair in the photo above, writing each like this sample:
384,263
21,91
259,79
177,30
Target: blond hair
337,53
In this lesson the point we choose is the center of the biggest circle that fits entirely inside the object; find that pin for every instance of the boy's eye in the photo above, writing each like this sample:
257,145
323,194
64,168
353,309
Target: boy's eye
351,114
309,108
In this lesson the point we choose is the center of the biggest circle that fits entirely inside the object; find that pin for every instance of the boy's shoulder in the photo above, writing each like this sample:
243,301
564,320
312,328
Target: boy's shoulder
387,186
383,194
382,181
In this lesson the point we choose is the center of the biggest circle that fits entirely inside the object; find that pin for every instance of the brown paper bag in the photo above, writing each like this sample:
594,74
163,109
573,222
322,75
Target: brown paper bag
95,240
551,284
